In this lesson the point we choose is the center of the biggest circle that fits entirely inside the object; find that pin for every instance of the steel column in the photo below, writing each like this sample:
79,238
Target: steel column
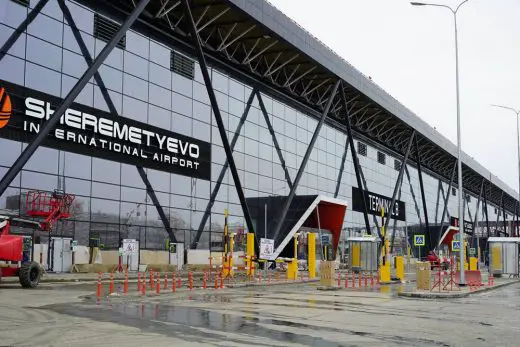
104,91
497,232
305,159
22,27
342,167
486,211
273,135
438,199
398,183
355,158
504,215
69,99
218,117
220,178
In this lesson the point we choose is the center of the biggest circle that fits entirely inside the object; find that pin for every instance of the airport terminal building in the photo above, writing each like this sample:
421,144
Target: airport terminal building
145,144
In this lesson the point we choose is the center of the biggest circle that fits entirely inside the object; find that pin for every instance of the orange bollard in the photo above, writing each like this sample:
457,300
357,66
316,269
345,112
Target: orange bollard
346,280
179,283
221,280
204,281
138,282
151,279
216,282
99,286
190,280
339,279
158,287
165,282
353,280
125,285
269,278
372,280
360,279
260,276
366,280
111,285
143,286
174,286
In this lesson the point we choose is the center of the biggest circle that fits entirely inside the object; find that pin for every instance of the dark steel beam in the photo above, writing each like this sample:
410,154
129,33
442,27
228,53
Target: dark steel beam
446,200
477,208
275,141
106,96
355,159
21,28
396,189
218,116
423,196
416,205
504,216
341,168
305,159
69,99
220,178
439,185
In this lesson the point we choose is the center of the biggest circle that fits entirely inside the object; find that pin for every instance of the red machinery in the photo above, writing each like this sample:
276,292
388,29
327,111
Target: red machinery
49,206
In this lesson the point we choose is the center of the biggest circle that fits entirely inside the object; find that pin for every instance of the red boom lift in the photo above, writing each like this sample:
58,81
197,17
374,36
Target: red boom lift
50,207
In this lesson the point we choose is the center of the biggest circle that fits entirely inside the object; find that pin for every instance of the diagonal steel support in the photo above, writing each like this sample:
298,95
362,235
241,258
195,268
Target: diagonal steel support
275,141
423,196
21,28
342,167
446,200
396,189
437,202
69,99
416,205
477,208
355,159
498,215
504,215
104,91
220,178
218,117
292,192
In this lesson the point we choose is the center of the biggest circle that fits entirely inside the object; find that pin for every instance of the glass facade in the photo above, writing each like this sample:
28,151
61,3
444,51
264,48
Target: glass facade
111,200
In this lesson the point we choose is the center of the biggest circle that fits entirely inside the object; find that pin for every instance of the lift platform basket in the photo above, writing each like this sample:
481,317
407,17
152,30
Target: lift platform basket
47,205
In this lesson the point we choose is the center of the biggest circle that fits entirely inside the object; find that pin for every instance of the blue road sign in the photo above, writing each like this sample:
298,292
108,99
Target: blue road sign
418,240
455,246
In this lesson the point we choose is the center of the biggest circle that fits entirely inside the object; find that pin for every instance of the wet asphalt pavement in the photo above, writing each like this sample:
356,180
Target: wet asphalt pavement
286,315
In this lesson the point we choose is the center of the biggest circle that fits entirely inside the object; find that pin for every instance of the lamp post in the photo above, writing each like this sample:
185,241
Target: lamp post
459,159
517,112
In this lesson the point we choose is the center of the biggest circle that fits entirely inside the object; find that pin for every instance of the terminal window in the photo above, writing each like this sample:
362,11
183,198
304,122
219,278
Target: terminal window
453,191
397,165
105,29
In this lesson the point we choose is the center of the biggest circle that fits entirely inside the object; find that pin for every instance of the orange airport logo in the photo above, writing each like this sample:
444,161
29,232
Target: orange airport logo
5,108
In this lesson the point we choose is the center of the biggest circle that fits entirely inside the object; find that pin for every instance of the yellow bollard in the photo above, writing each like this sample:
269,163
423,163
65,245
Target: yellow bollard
399,267
384,272
292,269
473,263
311,244
250,252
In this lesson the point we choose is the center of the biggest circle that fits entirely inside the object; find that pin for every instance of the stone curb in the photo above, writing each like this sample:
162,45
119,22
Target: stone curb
264,284
419,295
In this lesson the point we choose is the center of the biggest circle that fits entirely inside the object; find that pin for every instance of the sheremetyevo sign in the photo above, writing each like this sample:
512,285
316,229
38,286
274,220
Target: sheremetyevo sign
90,131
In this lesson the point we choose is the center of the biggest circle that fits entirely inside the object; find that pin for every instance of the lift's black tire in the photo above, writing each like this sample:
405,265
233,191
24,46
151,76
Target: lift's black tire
30,274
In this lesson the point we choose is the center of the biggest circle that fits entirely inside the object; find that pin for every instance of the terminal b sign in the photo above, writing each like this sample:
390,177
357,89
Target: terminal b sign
89,131
375,202
468,226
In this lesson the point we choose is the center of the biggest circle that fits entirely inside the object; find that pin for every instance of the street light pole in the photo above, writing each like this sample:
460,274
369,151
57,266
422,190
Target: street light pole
517,112
459,151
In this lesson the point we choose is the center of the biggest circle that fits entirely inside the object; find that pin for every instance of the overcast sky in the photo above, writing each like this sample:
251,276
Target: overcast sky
409,52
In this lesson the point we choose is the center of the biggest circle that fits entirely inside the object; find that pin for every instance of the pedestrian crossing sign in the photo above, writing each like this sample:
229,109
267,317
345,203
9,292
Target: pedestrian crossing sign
455,246
418,240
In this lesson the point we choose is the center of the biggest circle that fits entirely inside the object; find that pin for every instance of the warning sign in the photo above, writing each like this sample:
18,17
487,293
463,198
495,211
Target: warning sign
130,247
266,248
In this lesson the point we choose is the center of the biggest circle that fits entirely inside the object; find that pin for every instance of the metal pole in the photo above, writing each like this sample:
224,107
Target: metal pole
341,168
305,159
446,200
459,162
69,99
355,160
218,116
265,222
423,197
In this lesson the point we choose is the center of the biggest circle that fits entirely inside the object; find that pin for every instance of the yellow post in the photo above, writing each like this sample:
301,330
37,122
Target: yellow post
399,267
228,265
496,257
473,261
292,267
356,255
250,252
311,251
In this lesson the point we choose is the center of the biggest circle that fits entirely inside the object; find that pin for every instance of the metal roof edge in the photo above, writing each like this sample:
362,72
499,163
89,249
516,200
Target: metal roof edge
290,31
